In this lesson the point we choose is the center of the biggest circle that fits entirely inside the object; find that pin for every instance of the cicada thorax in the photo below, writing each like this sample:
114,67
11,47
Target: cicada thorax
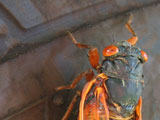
124,71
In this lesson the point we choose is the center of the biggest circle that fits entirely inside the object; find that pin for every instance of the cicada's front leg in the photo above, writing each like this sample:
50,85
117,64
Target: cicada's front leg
92,54
89,74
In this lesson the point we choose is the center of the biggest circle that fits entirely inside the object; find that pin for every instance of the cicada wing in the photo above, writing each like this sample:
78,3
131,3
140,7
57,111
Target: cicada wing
96,109
95,106
85,92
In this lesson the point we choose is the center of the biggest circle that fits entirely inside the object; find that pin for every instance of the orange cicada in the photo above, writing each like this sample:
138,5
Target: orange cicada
115,92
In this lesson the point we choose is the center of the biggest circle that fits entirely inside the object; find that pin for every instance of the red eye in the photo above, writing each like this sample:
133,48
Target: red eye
110,50
144,55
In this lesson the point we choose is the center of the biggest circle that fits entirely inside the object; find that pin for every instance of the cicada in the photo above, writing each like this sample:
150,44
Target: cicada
115,92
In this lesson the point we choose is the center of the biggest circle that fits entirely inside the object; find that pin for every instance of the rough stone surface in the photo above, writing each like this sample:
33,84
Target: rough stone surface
33,22
24,11
55,8
35,75
37,112
3,28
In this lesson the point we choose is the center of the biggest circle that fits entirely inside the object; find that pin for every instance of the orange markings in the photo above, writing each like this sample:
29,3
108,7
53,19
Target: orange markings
133,40
94,57
144,55
110,50
85,91
139,109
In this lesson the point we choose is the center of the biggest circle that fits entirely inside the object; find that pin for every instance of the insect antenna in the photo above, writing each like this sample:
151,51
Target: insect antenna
113,38
111,32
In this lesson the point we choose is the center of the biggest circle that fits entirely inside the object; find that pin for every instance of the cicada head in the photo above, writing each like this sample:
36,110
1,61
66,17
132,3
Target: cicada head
123,61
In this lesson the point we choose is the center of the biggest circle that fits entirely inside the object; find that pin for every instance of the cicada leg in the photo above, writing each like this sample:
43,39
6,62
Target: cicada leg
70,108
139,109
92,54
89,74
133,40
